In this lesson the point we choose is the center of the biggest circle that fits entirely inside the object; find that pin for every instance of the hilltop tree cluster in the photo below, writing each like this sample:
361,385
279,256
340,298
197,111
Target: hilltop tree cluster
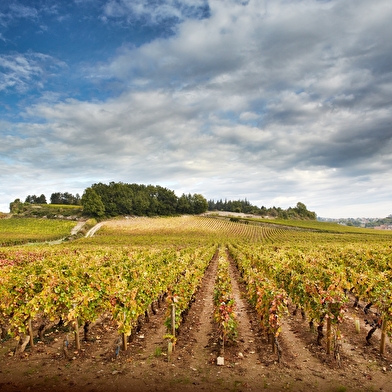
55,198
144,200
33,199
65,198
298,212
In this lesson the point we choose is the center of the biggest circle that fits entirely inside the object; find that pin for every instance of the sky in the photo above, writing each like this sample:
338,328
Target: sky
273,101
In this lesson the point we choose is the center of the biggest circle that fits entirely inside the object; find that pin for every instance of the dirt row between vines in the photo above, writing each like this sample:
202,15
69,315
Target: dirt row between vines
250,364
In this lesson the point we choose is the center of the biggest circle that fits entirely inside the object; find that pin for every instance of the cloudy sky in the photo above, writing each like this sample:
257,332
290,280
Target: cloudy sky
275,101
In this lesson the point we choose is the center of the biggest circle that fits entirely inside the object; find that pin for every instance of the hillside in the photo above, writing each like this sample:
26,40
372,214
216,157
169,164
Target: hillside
309,225
50,211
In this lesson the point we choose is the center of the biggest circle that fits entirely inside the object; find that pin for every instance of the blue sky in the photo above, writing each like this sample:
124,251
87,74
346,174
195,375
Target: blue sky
274,101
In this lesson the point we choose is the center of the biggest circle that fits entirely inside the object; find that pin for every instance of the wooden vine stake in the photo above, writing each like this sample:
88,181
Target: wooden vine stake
77,340
328,335
173,319
383,337
30,328
170,345
169,349
124,341
271,339
357,325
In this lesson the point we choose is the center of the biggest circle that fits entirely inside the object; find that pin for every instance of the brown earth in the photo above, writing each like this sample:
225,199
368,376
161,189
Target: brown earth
249,365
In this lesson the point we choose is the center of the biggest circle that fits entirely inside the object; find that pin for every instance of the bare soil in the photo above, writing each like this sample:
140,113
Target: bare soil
249,365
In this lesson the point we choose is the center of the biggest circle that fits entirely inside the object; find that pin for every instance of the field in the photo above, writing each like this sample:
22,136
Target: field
198,303
16,231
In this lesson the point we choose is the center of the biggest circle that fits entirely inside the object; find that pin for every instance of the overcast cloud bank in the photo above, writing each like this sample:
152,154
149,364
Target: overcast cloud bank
273,101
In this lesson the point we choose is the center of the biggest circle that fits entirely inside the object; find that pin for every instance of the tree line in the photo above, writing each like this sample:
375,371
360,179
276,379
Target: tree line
298,212
55,198
114,199
119,198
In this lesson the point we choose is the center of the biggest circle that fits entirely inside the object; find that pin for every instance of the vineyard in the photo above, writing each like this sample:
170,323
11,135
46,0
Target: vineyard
25,230
194,302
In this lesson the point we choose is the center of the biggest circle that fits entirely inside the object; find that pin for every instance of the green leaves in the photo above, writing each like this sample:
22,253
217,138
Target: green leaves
224,303
133,262
192,265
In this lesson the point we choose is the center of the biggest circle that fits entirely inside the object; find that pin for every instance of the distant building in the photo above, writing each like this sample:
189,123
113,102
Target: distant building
383,227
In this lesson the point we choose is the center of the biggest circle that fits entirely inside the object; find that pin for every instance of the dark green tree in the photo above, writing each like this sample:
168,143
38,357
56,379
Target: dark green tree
16,206
33,199
56,198
167,201
30,199
303,212
92,203
41,199
200,204
184,205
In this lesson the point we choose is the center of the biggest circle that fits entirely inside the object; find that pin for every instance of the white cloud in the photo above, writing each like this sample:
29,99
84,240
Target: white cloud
153,12
22,11
276,102
23,72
